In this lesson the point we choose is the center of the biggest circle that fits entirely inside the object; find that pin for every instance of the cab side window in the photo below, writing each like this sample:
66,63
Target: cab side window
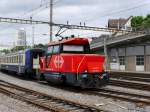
50,50
53,49
56,49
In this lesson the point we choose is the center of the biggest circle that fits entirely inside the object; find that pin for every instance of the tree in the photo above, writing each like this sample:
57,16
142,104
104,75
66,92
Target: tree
137,21
140,22
6,51
18,48
146,22
39,46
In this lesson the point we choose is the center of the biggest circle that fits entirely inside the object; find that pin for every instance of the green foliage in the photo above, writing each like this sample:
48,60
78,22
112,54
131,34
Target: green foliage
137,21
18,48
6,51
141,22
39,46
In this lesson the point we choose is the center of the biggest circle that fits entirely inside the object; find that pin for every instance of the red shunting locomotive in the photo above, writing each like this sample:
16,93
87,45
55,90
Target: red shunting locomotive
69,61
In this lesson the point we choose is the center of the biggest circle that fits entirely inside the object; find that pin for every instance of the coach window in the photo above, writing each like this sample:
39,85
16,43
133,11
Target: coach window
7,60
11,60
21,58
17,59
14,59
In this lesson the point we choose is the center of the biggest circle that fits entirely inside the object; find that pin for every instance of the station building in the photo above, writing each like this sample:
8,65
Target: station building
127,52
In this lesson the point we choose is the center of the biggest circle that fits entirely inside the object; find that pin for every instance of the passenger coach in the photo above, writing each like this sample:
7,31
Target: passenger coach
24,63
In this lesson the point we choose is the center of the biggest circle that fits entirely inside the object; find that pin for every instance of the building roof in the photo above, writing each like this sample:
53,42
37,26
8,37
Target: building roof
114,23
98,39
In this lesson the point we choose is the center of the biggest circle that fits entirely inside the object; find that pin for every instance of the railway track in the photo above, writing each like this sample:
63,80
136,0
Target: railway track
131,76
43,100
129,84
121,95
140,79
60,105
112,93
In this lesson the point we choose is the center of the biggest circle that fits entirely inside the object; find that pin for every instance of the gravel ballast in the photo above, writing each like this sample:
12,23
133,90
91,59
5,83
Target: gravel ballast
8,104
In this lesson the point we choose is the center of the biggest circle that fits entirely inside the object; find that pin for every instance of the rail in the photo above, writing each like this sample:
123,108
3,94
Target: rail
43,100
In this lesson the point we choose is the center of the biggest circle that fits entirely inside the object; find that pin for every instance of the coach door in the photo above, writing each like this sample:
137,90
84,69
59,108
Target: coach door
36,59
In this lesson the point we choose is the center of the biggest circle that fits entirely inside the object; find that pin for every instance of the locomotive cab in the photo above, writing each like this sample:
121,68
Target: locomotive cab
69,61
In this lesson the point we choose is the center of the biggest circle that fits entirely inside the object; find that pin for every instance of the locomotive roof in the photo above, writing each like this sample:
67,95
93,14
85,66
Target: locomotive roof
75,41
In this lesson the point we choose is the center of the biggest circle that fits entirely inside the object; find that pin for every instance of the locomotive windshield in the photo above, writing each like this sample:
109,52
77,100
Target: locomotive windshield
75,49
68,49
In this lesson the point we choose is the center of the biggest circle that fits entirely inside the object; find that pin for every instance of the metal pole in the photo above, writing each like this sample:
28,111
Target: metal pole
32,36
32,33
51,20
105,52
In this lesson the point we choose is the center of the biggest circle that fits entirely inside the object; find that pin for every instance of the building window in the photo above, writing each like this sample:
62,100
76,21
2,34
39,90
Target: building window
113,59
139,60
122,60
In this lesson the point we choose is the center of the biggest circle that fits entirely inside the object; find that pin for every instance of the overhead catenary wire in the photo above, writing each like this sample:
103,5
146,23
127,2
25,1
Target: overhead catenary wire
35,10
46,5
108,13
32,11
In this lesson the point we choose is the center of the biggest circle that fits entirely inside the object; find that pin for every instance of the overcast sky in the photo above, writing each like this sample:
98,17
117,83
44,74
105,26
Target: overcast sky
92,12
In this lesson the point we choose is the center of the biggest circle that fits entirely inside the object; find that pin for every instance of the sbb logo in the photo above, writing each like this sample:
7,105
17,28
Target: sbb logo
58,61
